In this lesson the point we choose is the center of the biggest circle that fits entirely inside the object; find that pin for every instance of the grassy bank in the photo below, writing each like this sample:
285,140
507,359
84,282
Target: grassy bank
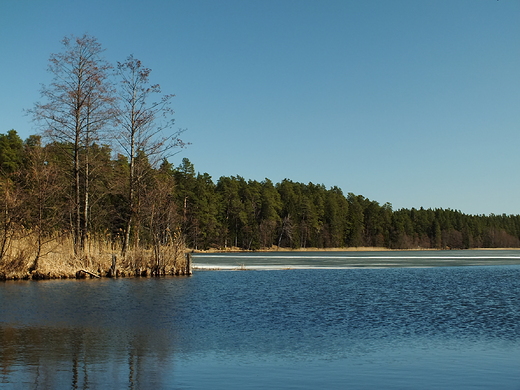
24,259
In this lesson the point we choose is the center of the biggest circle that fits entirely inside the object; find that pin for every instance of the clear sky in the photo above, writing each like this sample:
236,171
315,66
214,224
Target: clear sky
411,102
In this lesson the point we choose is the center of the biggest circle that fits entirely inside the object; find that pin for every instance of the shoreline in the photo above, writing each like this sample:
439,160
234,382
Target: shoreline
104,271
83,273
347,249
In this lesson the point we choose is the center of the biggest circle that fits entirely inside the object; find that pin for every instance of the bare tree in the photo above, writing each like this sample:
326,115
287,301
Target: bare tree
42,194
78,106
159,220
11,214
146,129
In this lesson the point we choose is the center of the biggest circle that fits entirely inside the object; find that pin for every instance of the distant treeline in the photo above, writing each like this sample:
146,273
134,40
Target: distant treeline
233,212
252,215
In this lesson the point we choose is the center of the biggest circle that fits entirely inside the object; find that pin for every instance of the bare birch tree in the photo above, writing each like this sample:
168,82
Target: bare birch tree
42,197
78,106
146,129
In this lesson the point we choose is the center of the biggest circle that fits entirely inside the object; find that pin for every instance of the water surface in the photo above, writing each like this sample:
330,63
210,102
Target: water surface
341,260
393,328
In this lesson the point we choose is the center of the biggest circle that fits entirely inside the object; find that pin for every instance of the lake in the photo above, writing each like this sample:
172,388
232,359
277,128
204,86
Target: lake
356,320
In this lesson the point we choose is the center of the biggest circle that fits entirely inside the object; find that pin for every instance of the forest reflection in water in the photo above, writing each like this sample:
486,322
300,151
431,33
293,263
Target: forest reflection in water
53,358
57,334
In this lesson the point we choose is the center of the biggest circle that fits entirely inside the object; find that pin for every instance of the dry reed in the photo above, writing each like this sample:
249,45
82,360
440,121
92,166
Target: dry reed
54,258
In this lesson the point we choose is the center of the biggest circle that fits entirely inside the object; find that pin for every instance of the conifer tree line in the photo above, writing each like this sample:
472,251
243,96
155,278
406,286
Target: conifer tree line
234,212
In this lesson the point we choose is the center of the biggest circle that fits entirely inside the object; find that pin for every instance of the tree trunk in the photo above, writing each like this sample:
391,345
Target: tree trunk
131,197
77,200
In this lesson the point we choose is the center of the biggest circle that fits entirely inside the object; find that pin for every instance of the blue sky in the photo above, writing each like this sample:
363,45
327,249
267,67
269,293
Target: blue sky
415,103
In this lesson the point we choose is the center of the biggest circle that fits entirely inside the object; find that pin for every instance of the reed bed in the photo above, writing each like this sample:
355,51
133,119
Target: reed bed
24,258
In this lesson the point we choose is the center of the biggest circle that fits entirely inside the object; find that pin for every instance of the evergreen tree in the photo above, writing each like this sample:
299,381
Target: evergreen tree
11,152
269,218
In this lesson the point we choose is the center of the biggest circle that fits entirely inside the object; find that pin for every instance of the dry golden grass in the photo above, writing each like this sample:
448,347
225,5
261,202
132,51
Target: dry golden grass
57,259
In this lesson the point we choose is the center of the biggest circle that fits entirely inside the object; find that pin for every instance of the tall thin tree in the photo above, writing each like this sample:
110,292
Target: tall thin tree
78,105
146,128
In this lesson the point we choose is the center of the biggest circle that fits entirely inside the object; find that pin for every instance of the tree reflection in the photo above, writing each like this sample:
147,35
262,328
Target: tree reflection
48,357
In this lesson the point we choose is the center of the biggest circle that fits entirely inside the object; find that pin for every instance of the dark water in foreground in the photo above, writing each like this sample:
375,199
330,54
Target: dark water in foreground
393,328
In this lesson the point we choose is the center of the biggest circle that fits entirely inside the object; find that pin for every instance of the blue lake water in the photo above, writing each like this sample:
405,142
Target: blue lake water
302,323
